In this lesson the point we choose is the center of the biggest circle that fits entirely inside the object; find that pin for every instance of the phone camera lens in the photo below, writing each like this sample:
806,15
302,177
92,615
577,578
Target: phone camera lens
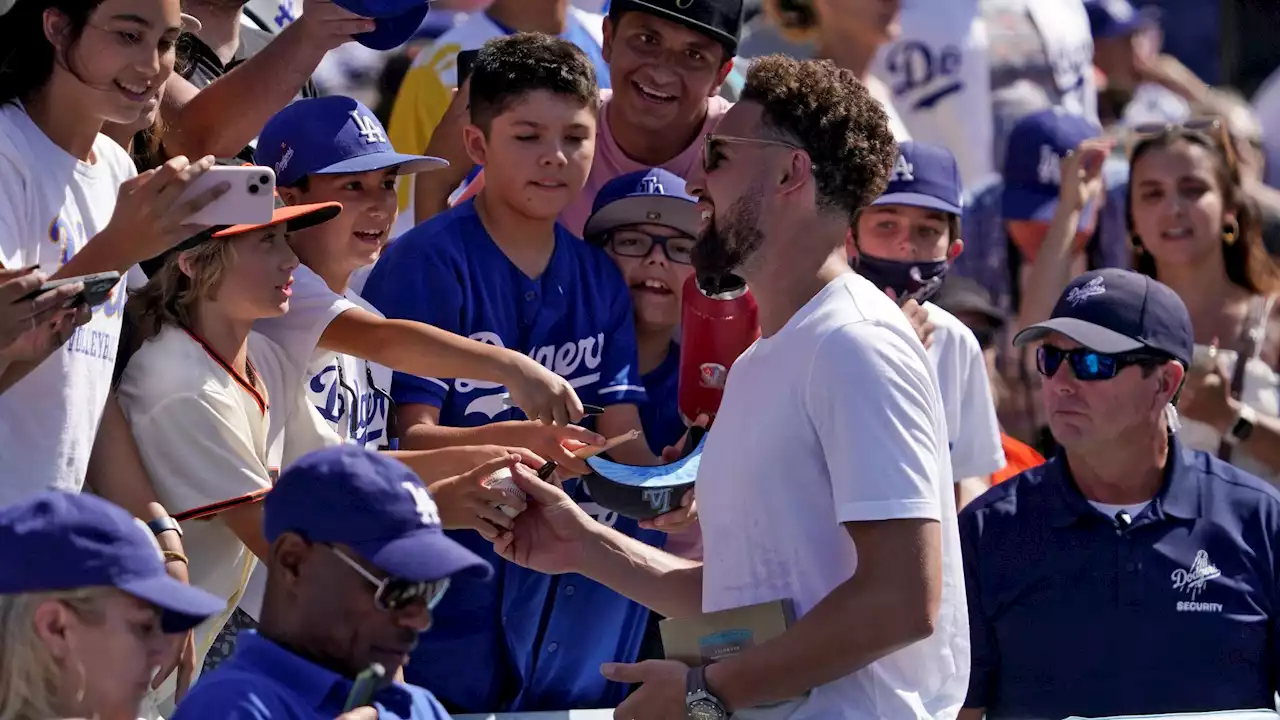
253,189
264,180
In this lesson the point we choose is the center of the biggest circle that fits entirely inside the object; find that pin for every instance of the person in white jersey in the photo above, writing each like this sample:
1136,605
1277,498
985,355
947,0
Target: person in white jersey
826,478
904,243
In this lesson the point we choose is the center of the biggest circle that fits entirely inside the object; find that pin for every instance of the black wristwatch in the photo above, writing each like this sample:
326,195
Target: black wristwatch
698,701
164,524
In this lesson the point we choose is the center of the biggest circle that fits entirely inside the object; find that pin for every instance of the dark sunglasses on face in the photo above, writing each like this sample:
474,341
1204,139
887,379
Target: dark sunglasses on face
635,243
1090,365
392,594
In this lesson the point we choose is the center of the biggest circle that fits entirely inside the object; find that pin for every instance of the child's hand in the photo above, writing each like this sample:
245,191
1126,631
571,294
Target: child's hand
542,394
465,503
558,443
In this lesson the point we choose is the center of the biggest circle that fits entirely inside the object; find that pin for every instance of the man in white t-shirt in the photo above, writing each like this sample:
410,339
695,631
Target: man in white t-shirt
826,479
904,243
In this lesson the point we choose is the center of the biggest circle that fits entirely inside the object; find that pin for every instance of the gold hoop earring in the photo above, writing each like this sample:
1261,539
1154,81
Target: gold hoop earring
1230,232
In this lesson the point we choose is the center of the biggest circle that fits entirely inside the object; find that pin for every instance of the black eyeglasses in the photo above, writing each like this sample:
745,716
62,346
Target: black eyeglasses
392,594
1091,365
638,244
711,143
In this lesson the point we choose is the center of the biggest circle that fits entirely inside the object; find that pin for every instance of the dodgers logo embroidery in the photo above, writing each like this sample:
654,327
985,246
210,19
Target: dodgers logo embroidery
1090,289
1192,581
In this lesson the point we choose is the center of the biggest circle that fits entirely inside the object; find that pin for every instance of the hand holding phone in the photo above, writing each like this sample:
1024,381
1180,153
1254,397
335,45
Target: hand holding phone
466,61
249,200
97,288
366,684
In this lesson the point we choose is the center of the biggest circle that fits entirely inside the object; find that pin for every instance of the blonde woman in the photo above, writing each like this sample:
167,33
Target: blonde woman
85,603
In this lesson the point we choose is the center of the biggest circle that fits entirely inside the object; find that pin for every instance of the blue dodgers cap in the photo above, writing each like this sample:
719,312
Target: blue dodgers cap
1033,163
396,20
1118,311
57,541
373,504
1117,18
925,176
652,196
332,135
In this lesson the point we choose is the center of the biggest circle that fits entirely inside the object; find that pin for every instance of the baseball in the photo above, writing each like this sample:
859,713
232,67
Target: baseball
502,479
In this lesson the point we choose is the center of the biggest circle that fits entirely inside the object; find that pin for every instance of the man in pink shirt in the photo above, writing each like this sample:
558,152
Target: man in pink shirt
667,60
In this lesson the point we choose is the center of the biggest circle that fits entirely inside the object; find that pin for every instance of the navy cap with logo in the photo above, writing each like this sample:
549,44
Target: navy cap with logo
373,504
654,196
720,20
1117,18
57,541
396,21
331,136
925,176
1119,311
1033,163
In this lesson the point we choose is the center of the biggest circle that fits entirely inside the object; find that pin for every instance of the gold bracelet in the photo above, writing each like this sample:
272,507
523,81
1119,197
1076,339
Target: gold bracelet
173,555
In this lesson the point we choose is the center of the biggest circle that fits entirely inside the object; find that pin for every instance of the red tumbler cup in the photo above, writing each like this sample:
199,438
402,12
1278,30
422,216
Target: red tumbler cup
718,321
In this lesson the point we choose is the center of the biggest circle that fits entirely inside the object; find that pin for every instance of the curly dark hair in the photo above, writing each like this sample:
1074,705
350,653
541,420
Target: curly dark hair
828,112
510,67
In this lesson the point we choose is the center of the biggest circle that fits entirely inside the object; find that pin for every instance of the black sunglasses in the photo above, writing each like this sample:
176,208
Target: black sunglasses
638,244
1091,365
392,594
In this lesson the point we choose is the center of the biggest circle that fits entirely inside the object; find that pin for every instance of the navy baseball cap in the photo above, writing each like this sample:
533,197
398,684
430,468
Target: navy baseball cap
373,504
1117,18
925,176
1033,163
396,21
56,541
646,196
1119,311
720,20
332,135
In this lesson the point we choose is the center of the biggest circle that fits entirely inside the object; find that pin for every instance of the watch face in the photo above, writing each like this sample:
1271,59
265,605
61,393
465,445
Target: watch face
705,710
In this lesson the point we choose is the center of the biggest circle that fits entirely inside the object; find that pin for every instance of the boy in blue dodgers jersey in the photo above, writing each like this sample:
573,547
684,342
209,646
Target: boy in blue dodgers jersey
357,559
904,242
500,269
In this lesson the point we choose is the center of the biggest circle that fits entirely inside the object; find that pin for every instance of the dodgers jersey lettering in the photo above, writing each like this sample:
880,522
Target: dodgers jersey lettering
523,632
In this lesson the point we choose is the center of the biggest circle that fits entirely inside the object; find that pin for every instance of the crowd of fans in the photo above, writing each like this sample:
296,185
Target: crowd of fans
262,462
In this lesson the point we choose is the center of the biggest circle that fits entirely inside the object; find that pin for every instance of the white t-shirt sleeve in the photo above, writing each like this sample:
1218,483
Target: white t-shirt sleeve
312,307
198,451
16,234
978,451
873,401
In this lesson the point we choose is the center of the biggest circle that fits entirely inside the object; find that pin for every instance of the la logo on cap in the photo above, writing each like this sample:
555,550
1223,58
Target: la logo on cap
425,506
368,127
651,186
1050,169
903,171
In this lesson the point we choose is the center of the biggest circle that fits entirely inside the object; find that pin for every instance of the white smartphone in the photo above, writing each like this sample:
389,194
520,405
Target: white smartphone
250,199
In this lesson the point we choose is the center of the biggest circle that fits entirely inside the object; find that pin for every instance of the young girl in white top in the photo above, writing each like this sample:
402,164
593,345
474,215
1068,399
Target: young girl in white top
68,66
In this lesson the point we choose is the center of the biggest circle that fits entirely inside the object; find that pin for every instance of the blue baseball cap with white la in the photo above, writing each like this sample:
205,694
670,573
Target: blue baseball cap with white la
924,176
332,135
373,504
1033,164
1117,18
396,21
57,541
654,196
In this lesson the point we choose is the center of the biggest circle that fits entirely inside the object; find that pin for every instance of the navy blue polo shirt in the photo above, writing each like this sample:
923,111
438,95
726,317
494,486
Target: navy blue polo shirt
264,681
1072,613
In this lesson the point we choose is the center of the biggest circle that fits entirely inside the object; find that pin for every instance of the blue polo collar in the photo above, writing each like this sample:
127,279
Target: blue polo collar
1179,497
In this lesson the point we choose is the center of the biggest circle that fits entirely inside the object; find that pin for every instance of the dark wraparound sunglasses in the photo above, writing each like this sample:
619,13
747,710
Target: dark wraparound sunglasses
1091,365
638,244
391,593
711,147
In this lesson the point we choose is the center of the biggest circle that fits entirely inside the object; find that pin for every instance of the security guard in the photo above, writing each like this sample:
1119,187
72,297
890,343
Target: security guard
1128,575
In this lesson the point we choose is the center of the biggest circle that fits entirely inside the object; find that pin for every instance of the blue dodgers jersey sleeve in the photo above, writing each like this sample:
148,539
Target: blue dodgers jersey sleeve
660,413
575,319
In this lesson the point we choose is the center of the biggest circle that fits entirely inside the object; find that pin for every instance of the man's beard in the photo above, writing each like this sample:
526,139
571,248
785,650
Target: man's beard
722,249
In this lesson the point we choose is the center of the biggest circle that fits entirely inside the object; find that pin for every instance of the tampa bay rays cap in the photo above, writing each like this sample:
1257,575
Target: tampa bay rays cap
1033,163
1117,18
396,21
720,20
1117,311
654,196
373,504
925,176
332,135
55,541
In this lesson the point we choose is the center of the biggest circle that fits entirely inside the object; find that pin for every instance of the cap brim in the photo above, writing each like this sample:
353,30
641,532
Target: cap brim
182,606
640,209
680,472
1094,337
424,556
719,36
918,200
296,217
190,24
404,164
392,32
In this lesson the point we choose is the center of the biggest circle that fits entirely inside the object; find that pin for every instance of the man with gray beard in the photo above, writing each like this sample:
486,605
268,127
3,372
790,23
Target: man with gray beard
826,480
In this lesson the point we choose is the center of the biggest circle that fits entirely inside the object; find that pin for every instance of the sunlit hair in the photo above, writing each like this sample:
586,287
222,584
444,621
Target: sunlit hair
26,55
170,296
32,682
1246,259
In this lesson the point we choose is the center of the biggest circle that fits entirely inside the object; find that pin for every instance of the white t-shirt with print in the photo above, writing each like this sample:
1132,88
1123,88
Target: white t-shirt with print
973,431
208,436
337,384
834,419
51,204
